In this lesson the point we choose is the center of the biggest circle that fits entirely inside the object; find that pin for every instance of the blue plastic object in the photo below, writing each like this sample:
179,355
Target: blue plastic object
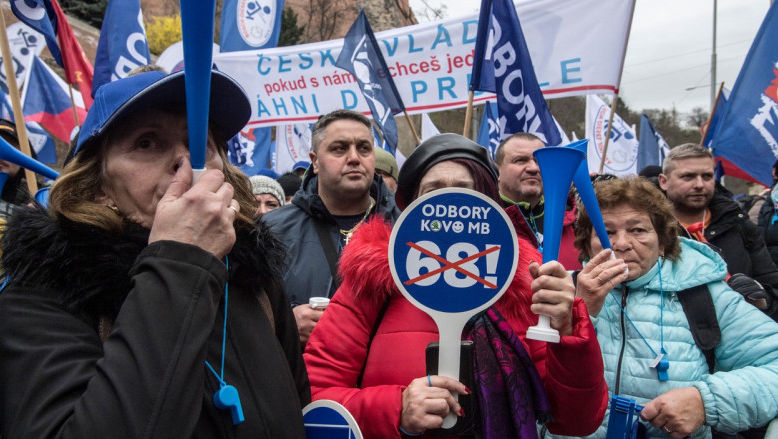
662,366
620,423
42,196
227,398
557,167
197,31
10,154
586,191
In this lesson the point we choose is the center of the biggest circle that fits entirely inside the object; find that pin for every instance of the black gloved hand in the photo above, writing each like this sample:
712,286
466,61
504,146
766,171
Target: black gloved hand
752,291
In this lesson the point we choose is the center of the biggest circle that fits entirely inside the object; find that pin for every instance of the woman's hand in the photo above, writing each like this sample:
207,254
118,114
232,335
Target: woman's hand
201,214
600,275
425,406
554,294
679,412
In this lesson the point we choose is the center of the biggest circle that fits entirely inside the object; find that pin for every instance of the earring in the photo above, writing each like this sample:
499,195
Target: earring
113,208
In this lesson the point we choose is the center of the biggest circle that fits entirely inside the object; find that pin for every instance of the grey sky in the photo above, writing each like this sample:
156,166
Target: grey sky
670,48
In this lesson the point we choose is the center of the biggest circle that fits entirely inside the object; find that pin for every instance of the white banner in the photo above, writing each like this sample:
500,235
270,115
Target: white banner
577,47
293,143
622,154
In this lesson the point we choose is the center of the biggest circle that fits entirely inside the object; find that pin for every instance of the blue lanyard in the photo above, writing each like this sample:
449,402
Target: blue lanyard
226,398
663,363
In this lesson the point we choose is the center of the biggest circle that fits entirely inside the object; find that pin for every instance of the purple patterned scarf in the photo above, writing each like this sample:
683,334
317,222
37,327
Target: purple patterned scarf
511,396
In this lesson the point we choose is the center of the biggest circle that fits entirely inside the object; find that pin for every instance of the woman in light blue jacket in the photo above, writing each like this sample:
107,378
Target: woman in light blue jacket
648,349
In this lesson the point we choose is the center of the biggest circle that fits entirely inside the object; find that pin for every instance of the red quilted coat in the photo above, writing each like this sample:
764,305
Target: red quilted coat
572,370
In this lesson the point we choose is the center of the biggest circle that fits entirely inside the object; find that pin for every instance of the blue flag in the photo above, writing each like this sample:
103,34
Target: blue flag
46,100
503,66
377,139
362,57
39,15
122,45
722,103
489,132
652,147
747,135
250,25
250,151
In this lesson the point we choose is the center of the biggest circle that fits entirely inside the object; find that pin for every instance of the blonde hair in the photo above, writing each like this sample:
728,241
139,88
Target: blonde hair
682,152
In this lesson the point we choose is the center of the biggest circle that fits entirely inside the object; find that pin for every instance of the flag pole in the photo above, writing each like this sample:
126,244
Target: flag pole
712,112
616,92
413,129
73,106
468,114
608,133
618,84
13,91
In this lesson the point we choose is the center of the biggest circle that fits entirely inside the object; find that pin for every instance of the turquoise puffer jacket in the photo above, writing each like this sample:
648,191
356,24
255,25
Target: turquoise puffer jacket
743,391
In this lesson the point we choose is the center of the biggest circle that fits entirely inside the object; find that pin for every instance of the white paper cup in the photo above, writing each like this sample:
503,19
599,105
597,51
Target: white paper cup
319,302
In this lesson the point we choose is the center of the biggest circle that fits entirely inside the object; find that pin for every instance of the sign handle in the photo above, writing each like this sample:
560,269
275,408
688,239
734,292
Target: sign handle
450,328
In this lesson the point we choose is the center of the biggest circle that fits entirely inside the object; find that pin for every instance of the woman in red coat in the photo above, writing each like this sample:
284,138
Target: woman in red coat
368,350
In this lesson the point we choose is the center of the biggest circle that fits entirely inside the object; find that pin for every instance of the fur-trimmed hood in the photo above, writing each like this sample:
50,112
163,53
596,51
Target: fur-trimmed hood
89,267
364,269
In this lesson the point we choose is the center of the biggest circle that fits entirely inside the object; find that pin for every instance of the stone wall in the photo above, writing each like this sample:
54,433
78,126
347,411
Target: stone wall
388,14
331,19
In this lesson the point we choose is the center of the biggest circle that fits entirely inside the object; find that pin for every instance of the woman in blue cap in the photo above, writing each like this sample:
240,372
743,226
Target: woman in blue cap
143,304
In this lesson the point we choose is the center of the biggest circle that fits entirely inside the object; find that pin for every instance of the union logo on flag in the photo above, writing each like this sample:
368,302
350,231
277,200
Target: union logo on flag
256,19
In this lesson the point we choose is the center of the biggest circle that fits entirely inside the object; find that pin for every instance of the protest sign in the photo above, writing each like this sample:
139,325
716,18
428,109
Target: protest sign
452,253
325,419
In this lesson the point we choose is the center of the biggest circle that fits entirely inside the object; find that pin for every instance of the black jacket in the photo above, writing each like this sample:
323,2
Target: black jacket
14,194
164,303
768,230
308,273
739,242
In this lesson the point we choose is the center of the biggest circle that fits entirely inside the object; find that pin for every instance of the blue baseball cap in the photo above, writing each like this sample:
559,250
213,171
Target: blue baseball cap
302,164
229,107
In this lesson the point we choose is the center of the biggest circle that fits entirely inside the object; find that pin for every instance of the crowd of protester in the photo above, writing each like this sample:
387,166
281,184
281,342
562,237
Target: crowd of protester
143,302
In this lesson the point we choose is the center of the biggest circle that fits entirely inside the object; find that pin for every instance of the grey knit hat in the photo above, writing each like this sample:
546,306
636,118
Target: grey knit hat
261,184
